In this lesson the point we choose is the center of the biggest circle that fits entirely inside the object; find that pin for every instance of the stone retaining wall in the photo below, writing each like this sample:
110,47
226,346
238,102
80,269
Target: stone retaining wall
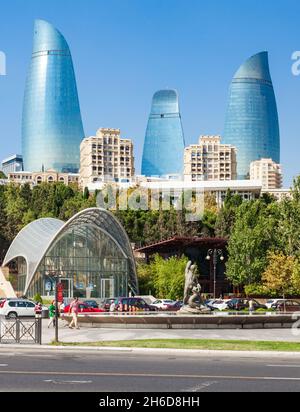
187,322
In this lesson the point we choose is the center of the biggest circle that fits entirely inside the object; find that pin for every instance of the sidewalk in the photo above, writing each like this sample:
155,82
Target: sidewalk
86,335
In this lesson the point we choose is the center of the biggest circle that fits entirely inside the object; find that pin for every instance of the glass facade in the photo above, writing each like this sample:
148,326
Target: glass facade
164,141
52,128
91,254
89,263
252,124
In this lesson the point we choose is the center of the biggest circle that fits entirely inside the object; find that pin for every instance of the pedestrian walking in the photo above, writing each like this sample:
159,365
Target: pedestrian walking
38,309
74,309
112,307
52,312
251,306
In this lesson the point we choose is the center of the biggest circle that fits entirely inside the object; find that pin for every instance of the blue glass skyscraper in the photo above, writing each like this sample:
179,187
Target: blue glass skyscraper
252,120
52,127
164,141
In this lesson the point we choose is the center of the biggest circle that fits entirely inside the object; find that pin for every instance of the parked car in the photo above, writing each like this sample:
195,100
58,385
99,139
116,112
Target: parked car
218,304
92,303
133,304
85,309
272,302
175,307
242,304
209,303
163,304
287,306
17,308
105,304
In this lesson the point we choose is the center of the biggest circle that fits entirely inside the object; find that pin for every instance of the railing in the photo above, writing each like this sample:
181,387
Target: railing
21,331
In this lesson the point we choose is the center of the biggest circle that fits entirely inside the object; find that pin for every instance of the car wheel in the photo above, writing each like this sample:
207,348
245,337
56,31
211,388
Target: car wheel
12,315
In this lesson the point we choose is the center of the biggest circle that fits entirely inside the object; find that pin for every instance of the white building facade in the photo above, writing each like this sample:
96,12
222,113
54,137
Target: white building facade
210,160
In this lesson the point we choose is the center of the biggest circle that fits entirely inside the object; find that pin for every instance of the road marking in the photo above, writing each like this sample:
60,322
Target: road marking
68,382
150,375
283,366
3,365
199,388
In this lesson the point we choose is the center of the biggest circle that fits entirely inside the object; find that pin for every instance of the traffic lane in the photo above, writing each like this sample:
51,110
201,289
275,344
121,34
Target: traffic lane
128,372
128,384
127,362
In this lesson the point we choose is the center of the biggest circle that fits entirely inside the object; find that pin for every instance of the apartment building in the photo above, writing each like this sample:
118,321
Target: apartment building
268,172
106,157
210,160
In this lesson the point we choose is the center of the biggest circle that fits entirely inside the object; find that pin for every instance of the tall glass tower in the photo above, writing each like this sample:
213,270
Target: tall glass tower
164,141
252,119
52,127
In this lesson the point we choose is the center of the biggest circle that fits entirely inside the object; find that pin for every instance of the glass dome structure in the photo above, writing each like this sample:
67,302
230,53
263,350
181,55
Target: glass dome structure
91,254
52,127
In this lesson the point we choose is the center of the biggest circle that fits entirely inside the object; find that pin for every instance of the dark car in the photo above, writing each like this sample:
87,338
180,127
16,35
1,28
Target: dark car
105,304
243,304
92,303
287,306
133,305
175,307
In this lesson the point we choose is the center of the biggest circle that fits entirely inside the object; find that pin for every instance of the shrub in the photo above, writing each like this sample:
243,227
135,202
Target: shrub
38,298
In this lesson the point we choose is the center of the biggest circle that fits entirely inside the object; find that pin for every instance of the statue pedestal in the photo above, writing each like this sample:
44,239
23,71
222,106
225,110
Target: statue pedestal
187,310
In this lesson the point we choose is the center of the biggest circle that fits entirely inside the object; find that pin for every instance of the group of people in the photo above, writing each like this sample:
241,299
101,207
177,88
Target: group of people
73,310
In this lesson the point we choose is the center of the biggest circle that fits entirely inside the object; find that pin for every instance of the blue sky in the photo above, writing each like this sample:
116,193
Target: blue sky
125,50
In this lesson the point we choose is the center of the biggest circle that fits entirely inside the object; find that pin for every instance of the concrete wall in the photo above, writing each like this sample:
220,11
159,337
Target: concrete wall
187,322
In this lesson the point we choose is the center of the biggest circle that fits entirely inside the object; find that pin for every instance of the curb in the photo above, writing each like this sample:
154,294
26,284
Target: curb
144,351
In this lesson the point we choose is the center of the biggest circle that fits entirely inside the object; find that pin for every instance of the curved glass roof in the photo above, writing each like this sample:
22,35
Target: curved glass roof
36,239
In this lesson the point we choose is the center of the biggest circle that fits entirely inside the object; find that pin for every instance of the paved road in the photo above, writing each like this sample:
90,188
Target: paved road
123,371
94,334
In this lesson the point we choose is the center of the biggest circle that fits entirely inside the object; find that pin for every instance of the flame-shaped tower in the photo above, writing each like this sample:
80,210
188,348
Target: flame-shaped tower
52,128
252,119
164,141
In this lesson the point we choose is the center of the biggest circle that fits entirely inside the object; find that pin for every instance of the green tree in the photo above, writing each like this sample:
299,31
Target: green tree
253,236
169,277
281,274
289,225
146,278
227,215
86,193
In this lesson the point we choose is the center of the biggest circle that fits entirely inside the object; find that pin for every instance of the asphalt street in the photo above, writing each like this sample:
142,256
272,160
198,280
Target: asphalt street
34,370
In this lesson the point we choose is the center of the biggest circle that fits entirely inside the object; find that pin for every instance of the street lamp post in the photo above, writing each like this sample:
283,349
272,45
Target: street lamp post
56,277
214,254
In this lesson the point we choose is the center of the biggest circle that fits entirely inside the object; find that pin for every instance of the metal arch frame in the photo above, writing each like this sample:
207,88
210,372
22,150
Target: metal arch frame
26,232
127,251
122,230
94,226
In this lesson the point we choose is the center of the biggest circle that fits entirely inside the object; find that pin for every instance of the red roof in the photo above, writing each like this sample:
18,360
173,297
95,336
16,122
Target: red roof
182,242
